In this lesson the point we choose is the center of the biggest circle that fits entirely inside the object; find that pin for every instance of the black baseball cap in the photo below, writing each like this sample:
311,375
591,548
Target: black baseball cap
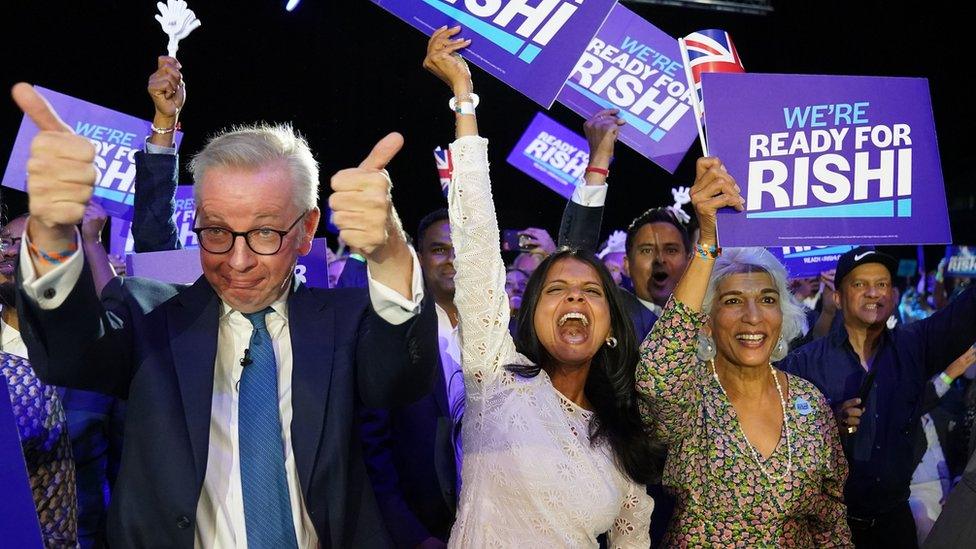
861,256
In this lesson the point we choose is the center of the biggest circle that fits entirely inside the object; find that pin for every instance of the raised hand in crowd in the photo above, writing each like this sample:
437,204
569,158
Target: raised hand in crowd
828,309
714,189
91,238
60,181
93,222
168,92
602,130
537,241
443,61
959,366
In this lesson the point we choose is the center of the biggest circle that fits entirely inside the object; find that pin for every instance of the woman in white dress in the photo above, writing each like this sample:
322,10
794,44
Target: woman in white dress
554,451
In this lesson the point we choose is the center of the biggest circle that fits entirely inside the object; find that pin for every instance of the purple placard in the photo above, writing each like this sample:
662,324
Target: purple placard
633,66
827,159
551,154
18,515
183,266
120,242
805,261
962,262
116,137
530,48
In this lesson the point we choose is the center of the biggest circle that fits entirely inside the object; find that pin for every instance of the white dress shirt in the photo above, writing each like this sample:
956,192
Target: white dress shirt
653,307
10,340
220,509
450,349
591,196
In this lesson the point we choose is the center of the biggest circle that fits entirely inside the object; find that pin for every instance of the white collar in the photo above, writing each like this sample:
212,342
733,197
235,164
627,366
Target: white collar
653,307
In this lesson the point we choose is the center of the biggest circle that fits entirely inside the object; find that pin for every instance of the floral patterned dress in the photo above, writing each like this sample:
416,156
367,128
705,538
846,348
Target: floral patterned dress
47,451
723,498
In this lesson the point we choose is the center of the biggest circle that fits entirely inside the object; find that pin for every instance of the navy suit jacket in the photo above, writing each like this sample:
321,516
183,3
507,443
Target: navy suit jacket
155,344
410,455
153,229
410,459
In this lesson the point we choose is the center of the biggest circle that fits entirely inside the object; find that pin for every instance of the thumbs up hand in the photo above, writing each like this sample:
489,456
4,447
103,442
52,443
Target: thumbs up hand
362,210
60,173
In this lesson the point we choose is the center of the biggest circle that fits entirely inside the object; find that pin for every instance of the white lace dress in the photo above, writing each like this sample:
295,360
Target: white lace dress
530,476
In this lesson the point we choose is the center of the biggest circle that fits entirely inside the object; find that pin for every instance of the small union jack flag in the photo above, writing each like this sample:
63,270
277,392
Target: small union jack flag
704,51
711,50
442,157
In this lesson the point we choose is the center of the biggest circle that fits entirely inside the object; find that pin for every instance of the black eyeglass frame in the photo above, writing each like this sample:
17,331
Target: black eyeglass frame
234,235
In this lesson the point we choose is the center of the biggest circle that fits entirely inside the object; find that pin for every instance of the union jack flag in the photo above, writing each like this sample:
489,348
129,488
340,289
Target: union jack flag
711,50
442,157
704,51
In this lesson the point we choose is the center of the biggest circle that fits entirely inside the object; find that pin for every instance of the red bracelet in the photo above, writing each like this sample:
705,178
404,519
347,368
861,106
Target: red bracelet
602,171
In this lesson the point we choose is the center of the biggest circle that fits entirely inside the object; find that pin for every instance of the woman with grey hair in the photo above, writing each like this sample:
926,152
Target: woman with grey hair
754,458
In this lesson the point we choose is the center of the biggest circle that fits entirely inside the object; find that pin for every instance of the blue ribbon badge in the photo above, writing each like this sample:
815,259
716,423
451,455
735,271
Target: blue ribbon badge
802,406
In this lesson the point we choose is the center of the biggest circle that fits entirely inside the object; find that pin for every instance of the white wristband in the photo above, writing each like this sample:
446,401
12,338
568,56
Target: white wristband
459,107
465,108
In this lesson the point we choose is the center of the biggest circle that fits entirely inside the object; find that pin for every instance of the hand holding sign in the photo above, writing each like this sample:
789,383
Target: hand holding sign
601,132
60,174
178,21
445,63
714,189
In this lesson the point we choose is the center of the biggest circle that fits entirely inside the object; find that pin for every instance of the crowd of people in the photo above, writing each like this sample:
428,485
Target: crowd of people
652,389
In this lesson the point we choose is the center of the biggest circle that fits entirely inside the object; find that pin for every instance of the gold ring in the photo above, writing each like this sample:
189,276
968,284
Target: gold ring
851,429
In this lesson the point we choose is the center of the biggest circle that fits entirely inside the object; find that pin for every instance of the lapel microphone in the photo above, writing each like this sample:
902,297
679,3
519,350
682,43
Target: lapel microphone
246,361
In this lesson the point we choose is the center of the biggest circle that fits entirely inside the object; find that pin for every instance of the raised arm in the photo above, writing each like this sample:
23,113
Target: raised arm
91,239
668,369
157,168
72,338
479,284
583,216
948,332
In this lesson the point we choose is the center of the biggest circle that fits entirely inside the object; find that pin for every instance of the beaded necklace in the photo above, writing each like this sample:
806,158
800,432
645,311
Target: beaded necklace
786,427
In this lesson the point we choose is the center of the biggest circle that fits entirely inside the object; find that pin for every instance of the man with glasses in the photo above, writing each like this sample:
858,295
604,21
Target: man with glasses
241,387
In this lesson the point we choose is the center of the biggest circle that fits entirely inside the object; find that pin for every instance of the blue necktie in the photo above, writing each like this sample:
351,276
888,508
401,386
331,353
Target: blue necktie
267,508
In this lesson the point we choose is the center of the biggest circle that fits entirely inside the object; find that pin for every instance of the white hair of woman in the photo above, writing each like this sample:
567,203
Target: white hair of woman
752,260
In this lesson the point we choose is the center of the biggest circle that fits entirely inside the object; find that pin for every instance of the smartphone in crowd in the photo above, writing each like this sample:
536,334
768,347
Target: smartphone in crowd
515,241
865,388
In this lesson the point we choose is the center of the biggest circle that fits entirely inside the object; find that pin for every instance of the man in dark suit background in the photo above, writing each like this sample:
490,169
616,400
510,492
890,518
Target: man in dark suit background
413,452
242,387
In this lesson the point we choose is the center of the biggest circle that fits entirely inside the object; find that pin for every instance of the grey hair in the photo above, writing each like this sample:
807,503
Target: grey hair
258,145
746,260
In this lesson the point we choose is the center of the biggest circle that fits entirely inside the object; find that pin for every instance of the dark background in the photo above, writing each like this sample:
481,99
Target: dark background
346,73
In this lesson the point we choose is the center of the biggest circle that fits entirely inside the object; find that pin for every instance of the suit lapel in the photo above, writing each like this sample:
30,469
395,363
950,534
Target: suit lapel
312,329
192,325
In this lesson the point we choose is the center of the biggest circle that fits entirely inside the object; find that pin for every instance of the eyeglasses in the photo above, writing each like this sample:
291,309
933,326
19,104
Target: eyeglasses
263,241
